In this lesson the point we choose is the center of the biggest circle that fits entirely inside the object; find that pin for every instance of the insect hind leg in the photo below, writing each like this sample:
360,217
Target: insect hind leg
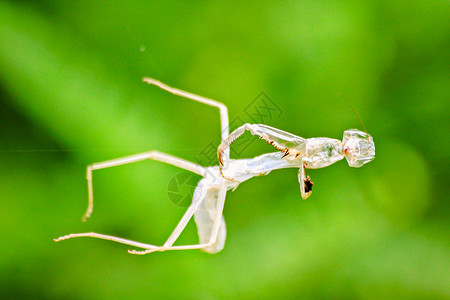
207,208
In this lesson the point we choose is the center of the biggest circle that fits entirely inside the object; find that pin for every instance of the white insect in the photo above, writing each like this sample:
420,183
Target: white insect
209,196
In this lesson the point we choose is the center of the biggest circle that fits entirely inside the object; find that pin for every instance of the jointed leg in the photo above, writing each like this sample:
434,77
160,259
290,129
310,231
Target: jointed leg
176,232
149,248
135,158
287,142
291,145
154,155
168,245
222,108
106,237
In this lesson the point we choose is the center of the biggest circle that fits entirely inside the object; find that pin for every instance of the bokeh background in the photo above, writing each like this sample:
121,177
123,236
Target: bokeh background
71,94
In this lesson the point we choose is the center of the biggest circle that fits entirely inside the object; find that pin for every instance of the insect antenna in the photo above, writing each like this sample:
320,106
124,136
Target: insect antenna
354,110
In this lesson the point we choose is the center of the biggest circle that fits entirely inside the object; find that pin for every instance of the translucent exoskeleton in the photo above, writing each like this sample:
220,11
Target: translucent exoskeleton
209,196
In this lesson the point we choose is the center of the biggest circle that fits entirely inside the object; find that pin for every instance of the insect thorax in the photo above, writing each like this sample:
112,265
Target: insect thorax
322,152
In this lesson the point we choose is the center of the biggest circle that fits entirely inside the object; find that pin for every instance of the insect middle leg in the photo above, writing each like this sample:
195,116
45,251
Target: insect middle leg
153,155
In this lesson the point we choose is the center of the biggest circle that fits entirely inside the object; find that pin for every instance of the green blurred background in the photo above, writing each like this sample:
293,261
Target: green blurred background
71,94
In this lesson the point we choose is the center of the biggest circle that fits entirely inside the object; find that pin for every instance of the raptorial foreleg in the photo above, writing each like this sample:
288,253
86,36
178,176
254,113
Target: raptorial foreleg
291,145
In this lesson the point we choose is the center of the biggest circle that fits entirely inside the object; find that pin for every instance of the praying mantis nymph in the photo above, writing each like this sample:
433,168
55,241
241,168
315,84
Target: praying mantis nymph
357,147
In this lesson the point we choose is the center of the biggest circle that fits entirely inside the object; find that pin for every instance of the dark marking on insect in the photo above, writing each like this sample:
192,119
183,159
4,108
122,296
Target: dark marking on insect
308,185
285,151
